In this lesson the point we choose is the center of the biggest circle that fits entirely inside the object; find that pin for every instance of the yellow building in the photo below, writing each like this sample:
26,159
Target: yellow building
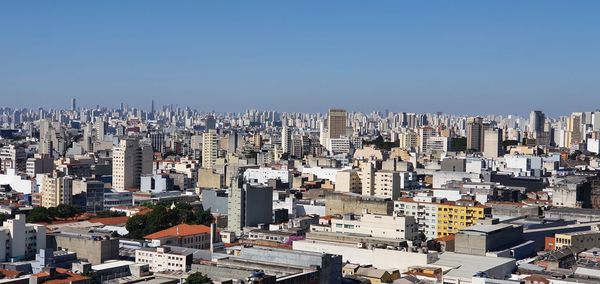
453,216
583,240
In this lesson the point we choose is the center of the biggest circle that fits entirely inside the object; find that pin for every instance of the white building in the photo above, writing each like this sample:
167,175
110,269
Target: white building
19,240
377,257
17,182
323,173
381,226
424,209
163,259
263,175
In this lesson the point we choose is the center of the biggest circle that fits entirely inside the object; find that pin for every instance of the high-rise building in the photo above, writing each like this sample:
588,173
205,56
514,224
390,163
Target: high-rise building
131,160
13,157
336,123
474,131
19,240
56,191
425,133
536,121
492,143
574,134
100,126
286,139
73,104
209,149
249,205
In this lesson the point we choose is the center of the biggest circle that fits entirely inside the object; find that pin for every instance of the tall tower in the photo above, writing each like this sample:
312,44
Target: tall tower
536,121
73,104
475,134
209,149
337,123
286,139
492,143
131,160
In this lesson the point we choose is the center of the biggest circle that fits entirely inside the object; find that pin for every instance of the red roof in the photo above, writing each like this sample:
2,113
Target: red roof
111,220
66,276
181,230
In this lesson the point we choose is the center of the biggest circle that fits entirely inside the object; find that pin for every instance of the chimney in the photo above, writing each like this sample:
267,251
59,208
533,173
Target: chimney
213,236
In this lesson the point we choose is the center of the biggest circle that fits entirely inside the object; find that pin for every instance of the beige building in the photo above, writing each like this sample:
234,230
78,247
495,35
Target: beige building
584,240
492,143
131,160
387,184
163,259
408,140
209,178
56,190
348,181
367,177
209,149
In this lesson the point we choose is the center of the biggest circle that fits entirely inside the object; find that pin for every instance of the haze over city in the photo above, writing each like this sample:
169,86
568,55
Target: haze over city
299,142
473,57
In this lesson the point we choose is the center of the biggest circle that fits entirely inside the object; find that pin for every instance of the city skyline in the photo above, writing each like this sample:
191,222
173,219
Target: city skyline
496,57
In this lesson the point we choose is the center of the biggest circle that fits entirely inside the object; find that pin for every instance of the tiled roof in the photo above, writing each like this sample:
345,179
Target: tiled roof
181,230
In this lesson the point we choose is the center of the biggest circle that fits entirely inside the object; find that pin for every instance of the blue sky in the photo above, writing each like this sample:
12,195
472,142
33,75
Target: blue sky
421,56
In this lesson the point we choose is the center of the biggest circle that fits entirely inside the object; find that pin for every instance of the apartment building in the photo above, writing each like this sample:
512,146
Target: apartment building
131,160
439,217
424,209
19,240
453,216
56,190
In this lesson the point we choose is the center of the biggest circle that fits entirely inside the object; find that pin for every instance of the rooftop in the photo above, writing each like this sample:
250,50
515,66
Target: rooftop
181,230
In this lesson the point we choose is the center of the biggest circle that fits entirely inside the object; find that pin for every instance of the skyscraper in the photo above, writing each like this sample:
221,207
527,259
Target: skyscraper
131,160
286,139
73,104
536,121
475,134
337,123
492,140
574,133
209,148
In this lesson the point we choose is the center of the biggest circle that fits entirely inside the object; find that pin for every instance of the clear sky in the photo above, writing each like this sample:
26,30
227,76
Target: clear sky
421,56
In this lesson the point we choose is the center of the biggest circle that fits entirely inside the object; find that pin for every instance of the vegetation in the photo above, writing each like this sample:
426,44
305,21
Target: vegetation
162,217
3,217
42,214
381,144
197,278
507,143
458,144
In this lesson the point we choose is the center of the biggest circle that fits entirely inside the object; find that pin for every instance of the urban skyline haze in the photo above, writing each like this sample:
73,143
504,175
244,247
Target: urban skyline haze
505,57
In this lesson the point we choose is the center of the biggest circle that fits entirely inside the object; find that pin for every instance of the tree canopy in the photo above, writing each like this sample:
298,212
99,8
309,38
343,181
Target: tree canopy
197,278
162,217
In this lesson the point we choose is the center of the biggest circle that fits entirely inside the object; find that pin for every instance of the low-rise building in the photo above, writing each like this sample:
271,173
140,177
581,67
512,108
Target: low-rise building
163,259
183,235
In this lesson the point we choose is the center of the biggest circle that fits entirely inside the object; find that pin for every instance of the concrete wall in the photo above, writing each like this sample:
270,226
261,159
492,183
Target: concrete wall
95,251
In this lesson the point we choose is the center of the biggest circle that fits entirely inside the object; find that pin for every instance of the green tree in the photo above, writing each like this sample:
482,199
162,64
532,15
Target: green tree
204,217
38,214
137,226
197,278
3,217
